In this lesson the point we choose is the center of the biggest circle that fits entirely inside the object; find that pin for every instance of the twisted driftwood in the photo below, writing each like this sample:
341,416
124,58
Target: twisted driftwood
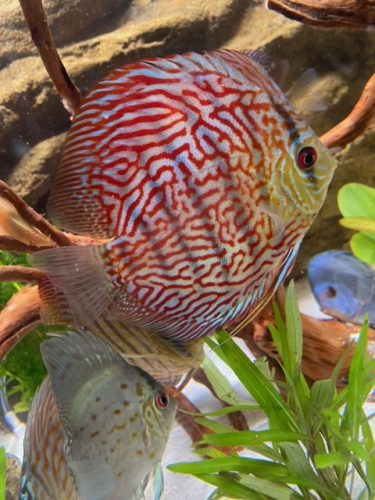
42,37
353,14
361,118
325,343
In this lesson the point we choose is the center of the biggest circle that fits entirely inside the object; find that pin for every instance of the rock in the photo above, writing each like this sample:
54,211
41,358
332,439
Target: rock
28,92
69,21
97,37
32,176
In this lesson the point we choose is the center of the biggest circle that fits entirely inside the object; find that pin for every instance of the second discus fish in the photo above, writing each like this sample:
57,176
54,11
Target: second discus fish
97,427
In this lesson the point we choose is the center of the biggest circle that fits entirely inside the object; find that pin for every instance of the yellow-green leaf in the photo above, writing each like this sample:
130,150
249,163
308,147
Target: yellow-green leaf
359,224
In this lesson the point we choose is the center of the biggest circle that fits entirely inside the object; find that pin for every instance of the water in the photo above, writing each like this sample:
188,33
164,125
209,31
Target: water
94,37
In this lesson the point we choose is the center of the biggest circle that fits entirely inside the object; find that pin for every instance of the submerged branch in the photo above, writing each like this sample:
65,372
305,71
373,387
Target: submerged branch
324,343
19,317
9,244
20,273
42,37
361,118
353,14
36,220
187,422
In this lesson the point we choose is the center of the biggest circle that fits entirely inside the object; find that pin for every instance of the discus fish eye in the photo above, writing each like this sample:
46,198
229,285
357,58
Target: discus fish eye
331,292
306,158
161,400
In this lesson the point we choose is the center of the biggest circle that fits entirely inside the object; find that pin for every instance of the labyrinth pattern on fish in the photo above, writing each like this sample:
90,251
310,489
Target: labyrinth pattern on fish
172,159
45,473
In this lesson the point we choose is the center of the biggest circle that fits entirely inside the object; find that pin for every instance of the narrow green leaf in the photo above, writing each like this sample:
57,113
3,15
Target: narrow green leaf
230,464
322,394
2,473
298,463
213,425
246,438
293,324
230,409
278,332
359,224
220,384
325,460
302,483
266,452
255,382
229,487
210,452
369,444
356,383
264,367
357,449
260,485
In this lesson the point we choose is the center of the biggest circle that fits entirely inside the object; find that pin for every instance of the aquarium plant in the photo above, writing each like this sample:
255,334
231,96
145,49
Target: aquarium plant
357,205
23,368
316,438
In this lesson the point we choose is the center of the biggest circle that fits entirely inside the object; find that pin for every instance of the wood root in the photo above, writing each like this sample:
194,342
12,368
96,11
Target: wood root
361,118
20,316
325,342
350,14
42,37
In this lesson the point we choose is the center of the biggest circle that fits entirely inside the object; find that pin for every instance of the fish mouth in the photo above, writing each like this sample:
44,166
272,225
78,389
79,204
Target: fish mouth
336,315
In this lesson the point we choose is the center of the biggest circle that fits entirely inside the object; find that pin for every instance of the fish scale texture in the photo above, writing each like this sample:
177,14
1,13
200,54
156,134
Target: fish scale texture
187,164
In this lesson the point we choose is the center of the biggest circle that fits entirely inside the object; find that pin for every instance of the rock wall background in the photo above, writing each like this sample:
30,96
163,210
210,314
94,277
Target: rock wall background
95,36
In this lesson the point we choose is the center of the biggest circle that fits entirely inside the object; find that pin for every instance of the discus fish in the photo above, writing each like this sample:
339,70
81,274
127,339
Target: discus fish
97,427
343,286
201,180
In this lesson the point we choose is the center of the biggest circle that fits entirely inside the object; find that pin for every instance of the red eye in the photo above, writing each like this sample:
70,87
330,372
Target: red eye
306,158
161,400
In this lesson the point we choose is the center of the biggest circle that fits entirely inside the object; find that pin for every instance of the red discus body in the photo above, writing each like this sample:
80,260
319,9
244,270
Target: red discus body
190,168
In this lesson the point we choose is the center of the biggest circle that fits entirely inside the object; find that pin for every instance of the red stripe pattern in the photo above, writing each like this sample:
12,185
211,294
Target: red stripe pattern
45,472
188,162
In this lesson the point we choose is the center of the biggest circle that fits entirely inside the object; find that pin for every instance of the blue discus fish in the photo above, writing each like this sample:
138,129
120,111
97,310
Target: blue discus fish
343,286
97,428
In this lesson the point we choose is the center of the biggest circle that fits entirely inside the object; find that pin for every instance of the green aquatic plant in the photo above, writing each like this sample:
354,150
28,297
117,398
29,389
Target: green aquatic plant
23,368
7,289
316,438
2,473
357,205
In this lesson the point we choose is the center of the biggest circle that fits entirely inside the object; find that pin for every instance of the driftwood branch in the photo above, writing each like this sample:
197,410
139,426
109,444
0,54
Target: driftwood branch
353,14
357,122
19,317
187,422
20,273
324,343
52,235
10,244
32,217
41,35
